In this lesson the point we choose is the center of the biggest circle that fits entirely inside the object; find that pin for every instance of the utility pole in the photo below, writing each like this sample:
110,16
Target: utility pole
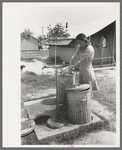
66,24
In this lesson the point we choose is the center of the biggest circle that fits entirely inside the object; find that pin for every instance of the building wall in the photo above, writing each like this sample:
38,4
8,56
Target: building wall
65,53
29,44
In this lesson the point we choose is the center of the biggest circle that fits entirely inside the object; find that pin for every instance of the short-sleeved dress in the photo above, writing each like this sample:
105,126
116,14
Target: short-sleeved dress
86,71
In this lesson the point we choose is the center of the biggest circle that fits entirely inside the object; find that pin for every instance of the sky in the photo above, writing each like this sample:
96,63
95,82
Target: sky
81,17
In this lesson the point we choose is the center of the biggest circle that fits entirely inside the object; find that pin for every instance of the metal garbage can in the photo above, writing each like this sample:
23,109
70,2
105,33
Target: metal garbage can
78,104
65,81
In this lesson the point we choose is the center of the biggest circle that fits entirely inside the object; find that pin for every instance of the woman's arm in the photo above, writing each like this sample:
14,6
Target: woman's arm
88,53
72,59
67,69
74,56
75,65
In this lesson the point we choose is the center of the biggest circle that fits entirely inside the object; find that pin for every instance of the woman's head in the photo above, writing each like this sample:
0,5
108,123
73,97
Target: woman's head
81,39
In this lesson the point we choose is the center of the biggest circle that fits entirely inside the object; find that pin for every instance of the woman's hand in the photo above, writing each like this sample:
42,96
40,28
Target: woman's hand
69,69
64,70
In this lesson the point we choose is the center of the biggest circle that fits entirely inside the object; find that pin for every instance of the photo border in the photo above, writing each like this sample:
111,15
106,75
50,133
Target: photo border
3,49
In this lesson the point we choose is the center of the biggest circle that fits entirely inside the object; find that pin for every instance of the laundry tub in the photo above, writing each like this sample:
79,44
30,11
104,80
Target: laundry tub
65,81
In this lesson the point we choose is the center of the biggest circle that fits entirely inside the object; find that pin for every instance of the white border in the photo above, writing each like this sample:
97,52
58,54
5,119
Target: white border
11,77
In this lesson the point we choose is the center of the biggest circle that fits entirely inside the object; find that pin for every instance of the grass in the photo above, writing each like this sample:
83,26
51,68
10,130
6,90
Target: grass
33,85
107,89
39,55
38,81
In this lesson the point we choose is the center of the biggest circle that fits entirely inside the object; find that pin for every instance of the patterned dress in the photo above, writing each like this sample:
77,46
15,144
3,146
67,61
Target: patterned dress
86,71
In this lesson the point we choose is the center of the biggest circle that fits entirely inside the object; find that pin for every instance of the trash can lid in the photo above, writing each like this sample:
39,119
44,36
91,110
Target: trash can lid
81,87
63,74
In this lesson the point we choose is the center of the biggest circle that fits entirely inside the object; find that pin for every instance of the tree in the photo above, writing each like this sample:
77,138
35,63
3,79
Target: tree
26,34
54,35
57,33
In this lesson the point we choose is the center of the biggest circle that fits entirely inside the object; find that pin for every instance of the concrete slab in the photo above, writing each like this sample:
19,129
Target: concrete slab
41,110
46,134
41,107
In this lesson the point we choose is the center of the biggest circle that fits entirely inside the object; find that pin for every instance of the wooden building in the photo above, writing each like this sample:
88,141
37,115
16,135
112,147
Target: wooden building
29,44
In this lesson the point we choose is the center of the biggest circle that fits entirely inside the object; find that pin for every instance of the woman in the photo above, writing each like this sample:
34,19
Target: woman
85,52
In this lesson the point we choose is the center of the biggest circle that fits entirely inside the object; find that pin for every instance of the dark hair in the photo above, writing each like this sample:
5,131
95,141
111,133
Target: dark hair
81,36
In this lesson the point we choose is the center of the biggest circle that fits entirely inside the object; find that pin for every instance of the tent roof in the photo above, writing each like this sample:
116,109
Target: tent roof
92,27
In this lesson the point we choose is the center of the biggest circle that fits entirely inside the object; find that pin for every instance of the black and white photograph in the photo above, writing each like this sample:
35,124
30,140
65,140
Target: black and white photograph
67,76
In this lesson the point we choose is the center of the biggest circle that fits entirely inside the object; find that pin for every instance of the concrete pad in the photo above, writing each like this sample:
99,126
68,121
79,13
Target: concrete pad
41,107
45,134
38,109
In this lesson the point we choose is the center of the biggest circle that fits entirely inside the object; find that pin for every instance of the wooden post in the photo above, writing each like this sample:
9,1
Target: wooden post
114,40
55,53
57,91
